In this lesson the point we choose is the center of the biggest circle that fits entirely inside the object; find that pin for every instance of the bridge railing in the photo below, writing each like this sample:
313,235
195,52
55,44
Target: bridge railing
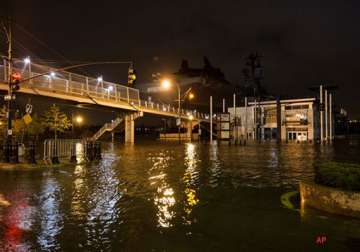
76,84
167,108
80,85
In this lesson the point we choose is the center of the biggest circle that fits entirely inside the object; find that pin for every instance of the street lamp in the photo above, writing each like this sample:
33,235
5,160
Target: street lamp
27,60
166,84
78,119
191,117
191,96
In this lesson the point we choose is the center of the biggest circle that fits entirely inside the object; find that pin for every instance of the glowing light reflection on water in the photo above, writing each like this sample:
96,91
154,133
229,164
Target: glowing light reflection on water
164,196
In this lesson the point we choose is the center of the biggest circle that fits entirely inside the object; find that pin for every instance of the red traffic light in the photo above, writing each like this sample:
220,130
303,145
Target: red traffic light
15,80
16,76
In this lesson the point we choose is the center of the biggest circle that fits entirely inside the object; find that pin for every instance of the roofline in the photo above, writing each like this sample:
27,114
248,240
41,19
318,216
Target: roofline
284,101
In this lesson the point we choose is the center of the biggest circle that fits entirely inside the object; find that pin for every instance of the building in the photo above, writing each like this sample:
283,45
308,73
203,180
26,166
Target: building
285,120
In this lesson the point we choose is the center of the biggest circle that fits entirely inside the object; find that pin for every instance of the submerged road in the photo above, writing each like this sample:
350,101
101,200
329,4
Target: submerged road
174,197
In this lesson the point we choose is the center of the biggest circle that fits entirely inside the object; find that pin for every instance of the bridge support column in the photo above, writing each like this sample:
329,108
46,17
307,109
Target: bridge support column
129,128
189,127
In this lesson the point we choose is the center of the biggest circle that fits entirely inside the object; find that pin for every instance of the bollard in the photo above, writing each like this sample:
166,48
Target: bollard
31,156
97,151
73,153
15,153
6,152
89,151
92,151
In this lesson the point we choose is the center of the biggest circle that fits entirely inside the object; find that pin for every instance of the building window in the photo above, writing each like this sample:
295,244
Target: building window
296,107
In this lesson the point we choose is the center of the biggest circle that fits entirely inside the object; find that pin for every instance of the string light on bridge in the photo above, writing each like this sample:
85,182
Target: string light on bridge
27,60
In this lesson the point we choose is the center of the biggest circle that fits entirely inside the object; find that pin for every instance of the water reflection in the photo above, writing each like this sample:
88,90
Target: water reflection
161,197
164,198
102,203
50,215
79,149
215,165
191,180
79,197
18,219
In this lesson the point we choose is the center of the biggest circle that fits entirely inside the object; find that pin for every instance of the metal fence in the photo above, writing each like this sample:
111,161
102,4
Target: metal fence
64,148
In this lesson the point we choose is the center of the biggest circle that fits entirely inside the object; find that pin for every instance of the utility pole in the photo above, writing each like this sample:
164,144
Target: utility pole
331,120
9,96
179,112
6,25
235,128
211,120
321,114
326,115
246,130
255,122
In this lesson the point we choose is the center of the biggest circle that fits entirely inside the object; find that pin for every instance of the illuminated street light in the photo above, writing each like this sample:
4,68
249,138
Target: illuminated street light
52,74
166,84
27,60
110,88
191,117
75,120
99,79
79,119
191,96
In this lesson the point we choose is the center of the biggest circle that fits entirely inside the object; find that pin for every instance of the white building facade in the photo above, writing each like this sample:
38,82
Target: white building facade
285,120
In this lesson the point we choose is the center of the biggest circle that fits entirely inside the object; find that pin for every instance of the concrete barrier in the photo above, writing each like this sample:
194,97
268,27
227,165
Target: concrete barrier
332,200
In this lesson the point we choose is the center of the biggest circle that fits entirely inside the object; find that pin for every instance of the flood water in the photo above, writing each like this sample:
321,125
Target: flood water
157,196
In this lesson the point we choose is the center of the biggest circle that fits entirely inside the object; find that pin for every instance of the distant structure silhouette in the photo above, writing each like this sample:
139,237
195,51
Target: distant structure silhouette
209,76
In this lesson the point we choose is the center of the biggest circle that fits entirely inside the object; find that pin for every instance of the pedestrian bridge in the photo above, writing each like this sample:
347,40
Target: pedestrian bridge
83,89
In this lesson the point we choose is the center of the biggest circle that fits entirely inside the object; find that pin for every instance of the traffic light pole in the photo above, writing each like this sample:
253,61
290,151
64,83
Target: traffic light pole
9,114
8,98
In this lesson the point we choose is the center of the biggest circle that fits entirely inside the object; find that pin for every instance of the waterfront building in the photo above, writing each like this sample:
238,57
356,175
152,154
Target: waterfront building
286,120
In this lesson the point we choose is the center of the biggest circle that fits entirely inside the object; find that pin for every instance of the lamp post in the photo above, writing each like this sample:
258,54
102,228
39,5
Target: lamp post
191,117
166,84
27,63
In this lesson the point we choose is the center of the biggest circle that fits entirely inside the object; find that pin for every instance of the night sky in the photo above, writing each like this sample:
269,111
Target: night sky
304,43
